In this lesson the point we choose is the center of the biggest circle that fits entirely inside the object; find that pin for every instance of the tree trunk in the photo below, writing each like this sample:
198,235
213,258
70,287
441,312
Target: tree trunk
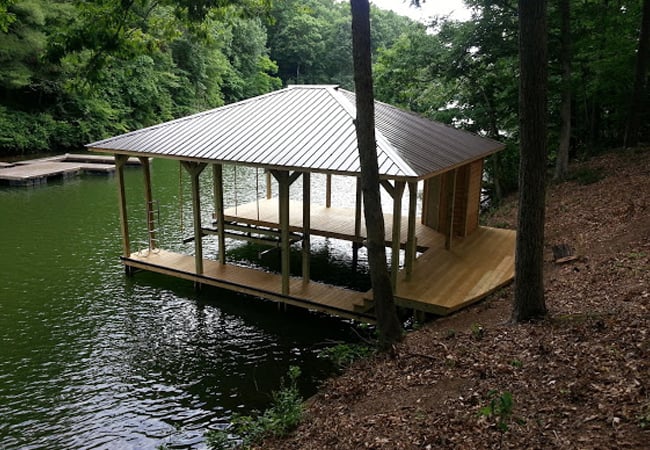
562,162
529,274
640,80
390,329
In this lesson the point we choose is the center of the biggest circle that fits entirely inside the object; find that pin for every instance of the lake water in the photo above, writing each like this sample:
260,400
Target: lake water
90,358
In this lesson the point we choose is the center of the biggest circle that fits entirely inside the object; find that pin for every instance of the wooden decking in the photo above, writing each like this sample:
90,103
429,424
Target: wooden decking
442,281
38,171
330,222
312,295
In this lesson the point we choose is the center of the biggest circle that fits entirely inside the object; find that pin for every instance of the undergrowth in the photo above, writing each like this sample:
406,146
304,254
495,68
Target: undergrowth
279,419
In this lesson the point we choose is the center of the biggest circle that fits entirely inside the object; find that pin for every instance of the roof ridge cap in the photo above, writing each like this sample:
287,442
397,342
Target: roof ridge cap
393,153
342,101
381,141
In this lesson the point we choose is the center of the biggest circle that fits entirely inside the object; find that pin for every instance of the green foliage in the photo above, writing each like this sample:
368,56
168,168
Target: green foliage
73,72
644,417
478,332
342,355
280,418
311,40
499,408
517,363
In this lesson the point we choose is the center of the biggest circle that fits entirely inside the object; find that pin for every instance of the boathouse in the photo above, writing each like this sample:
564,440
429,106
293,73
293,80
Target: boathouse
448,261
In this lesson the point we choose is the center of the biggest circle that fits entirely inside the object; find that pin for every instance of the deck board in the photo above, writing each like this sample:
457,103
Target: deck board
328,222
38,171
312,295
442,281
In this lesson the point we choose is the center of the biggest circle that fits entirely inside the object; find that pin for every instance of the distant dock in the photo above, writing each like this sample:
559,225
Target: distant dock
34,172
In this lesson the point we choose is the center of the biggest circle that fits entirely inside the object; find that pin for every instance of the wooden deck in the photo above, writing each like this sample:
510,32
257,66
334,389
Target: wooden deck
316,296
38,171
330,222
442,281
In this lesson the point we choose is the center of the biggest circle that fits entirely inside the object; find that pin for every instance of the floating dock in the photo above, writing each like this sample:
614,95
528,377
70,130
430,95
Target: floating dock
34,172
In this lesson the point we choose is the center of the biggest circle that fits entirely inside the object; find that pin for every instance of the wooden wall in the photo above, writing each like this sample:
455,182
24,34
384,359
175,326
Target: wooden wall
439,192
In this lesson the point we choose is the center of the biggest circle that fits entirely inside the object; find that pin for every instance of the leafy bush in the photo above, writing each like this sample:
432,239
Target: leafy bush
342,355
278,420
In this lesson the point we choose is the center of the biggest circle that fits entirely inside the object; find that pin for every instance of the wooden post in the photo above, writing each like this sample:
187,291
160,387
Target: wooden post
411,244
217,177
195,169
151,225
306,226
356,244
269,191
328,190
397,225
451,199
282,177
120,161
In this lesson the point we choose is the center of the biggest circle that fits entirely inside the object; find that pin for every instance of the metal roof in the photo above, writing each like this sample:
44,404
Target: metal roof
305,127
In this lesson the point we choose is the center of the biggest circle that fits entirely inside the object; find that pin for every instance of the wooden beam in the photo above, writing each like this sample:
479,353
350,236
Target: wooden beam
328,190
451,196
282,176
397,223
388,187
151,222
306,226
120,161
217,179
294,176
195,169
411,241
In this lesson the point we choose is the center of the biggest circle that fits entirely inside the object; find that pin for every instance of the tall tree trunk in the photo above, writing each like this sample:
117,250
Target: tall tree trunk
529,274
562,162
640,80
390,329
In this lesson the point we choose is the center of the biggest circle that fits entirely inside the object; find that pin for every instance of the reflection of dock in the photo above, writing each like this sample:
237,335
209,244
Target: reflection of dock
38,171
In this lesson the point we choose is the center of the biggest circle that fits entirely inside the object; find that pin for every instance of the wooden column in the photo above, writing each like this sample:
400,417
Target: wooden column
217,177
195,169
356,244
411,243
396,193
328,190
451,199
306,226
284,180
120,161
269,191
151,223
397,225
282,177
357,210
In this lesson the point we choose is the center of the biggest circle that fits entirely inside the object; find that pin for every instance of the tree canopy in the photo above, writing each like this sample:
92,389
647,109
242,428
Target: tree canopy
72,72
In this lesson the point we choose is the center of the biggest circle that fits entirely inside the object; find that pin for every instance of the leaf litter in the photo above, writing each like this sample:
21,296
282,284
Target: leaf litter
577,380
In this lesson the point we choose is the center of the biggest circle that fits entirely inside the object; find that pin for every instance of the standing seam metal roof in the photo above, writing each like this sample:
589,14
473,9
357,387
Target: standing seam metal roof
306,127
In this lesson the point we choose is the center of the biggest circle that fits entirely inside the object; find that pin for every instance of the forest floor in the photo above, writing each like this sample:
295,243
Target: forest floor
579,379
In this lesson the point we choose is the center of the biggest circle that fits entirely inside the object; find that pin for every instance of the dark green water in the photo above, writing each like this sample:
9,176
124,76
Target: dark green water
92,359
